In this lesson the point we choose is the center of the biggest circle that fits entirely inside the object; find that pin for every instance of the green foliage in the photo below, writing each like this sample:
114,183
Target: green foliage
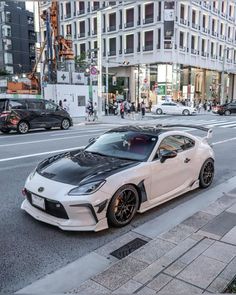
3,72
80,60
119,86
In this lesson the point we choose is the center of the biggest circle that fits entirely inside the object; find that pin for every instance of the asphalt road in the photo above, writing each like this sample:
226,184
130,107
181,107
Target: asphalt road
30,249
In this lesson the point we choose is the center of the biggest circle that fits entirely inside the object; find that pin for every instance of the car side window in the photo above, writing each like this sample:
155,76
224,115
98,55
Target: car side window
35,105
17,105
50,106
176,143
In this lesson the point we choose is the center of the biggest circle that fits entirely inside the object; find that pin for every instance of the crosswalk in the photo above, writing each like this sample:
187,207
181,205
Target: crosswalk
212,123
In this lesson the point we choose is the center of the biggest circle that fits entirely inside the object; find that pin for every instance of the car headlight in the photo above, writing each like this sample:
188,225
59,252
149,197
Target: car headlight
88,188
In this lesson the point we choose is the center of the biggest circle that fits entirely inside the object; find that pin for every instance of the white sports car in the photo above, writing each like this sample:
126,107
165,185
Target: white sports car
124,171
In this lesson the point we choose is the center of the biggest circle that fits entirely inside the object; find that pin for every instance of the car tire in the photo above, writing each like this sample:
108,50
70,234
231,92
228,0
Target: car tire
186,112
159,112
65,124
227,113
207,173
22,127
123,206
5,131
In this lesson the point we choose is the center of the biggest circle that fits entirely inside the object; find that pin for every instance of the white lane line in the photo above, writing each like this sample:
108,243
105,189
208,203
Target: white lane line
83,131
228,126
223,141
44,140
40,154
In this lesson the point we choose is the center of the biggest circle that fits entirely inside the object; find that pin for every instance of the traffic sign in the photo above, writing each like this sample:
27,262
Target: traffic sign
94,71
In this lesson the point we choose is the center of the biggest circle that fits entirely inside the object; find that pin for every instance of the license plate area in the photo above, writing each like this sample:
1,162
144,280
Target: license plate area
38,201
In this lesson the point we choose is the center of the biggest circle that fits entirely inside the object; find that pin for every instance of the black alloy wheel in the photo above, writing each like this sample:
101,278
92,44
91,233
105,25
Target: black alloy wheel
65,124
5,131
207,173
123,206
23,127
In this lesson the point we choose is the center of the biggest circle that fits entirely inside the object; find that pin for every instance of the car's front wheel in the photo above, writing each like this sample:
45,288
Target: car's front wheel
186,112
23,127
207,173
227,113
159,111
65,124
123,206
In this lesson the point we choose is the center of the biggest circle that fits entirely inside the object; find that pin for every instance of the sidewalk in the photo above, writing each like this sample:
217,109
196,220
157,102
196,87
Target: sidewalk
189,249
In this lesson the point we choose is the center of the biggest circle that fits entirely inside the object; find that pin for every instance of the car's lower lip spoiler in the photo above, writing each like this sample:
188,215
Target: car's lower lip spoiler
208,130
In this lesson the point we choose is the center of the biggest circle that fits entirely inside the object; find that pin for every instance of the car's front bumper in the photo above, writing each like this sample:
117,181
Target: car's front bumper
85,220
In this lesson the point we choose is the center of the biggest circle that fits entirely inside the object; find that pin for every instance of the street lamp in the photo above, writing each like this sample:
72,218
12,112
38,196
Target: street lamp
222,100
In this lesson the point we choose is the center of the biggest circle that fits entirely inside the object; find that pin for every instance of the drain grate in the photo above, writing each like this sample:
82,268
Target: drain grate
128,248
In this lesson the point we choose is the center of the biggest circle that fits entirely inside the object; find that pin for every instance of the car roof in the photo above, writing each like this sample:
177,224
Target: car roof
149,130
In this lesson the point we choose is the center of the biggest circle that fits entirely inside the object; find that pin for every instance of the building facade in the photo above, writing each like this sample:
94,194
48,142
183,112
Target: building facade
17,38
186,49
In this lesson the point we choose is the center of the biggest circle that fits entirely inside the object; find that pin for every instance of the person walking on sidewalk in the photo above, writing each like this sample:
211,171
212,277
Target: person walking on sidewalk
95,112
143,108
132,109
122,110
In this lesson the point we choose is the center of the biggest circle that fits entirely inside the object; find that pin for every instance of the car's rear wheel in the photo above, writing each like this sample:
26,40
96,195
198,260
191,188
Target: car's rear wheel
207,173
5,131
65,124
159,111
186,112
123,206
227,113
23,127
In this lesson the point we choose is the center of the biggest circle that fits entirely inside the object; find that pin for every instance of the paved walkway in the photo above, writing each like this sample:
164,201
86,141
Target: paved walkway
196,256
189,249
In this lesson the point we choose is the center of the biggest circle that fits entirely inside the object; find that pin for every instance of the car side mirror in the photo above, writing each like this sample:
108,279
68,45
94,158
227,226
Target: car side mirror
167,155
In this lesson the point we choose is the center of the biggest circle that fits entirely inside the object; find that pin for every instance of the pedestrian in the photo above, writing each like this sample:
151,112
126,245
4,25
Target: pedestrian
66,105
106,109
143,108
132,110
95,112
90,110
60,104
150,106
128,106
122,110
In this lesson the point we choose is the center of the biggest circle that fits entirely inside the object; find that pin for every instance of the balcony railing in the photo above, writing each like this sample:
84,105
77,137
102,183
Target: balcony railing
215,34
195,26
81,35
222,37
194,51
229,60
204,54
205,30
111,28
168,45
205,4
95,8
223,14
94,32
183,21
230,40
129,24
148,47
213,56
81,11
112,53
67,16
182,48
148,20
129,50
215,10
231,18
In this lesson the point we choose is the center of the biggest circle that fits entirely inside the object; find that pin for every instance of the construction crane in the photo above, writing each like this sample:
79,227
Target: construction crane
58,49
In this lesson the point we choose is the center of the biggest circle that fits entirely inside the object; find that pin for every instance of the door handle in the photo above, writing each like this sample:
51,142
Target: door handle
187,160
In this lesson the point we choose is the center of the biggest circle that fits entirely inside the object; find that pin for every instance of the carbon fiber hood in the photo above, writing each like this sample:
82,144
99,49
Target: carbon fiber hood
79,167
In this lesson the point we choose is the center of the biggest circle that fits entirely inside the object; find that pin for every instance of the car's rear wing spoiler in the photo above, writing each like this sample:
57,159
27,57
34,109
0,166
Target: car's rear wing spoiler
208,130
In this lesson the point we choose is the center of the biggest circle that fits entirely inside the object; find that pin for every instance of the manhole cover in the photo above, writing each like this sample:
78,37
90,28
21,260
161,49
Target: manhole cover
128,248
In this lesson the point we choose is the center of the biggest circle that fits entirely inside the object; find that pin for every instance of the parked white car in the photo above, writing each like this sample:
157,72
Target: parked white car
172,108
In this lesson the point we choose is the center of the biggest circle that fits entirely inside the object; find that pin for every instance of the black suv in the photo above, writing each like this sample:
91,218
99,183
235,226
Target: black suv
225,109
24,114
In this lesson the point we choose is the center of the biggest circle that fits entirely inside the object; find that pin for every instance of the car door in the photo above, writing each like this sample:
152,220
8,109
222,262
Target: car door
36,113
175,174
166,108
232,107
53,114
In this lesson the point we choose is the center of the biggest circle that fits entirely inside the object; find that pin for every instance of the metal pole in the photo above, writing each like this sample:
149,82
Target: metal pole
107,84
222,100
138,83
99,61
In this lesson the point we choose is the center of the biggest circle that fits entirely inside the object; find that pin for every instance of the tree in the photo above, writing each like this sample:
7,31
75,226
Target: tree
80,60
3,72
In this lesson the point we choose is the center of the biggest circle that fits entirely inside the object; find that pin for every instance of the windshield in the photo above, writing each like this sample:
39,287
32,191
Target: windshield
124,144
